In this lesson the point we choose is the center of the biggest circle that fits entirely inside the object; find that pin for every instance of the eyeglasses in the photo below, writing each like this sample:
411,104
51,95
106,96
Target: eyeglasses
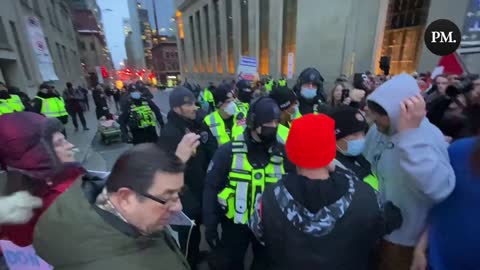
157,199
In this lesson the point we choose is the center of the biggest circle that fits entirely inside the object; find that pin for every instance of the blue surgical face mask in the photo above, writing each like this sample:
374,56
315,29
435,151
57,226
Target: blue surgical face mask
355,147
308,93
135,95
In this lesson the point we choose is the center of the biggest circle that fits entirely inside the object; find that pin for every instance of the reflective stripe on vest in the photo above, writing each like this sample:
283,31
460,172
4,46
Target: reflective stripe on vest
282,134
53,107
245,183
242,107
217,126
143,115
269,85
11,105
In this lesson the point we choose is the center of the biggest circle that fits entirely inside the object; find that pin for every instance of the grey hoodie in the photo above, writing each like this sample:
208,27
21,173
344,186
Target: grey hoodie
412,167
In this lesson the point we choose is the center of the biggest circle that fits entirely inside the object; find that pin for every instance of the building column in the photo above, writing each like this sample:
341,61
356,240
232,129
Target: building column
198,52
205,54
224,37
237,31
377,46
254,28
213,36
275,37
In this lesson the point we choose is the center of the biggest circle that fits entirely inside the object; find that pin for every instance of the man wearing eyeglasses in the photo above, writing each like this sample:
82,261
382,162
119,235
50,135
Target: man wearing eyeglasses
119,223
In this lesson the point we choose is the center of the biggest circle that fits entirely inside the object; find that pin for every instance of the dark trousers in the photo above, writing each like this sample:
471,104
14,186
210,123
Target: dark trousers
193,245
144,135
234,244
82,119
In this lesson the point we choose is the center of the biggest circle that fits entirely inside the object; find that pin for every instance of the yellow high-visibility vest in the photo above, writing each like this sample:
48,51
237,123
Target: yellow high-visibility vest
11,105
53,107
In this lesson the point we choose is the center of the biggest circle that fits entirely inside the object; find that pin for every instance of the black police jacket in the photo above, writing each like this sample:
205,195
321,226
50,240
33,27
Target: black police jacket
218,170
196,167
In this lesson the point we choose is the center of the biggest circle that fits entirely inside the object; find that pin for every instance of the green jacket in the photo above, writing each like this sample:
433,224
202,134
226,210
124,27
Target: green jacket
74,234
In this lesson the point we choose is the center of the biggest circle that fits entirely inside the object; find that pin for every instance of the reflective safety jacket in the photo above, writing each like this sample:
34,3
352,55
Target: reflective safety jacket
370,179
246,184
217,126
141,116
53,107
11,105
282,82
269,85
282,134
242,106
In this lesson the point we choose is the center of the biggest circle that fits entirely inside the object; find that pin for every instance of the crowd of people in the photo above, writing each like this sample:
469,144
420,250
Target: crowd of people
382,172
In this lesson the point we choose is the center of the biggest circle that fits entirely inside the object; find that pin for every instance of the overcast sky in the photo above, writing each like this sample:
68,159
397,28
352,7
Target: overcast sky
113,12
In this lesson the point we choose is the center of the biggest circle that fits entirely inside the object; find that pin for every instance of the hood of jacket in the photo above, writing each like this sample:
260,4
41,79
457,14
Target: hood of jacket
29,149
391,93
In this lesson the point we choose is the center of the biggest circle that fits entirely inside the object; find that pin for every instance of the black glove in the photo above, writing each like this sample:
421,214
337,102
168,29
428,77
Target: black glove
392,216
211,235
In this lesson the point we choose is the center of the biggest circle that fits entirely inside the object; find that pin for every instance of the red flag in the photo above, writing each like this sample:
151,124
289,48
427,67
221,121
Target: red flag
452,64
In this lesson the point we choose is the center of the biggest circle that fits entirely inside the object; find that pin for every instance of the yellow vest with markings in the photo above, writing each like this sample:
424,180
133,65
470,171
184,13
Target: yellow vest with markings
282,134
217,126
53,107
142,116
246,184
11,105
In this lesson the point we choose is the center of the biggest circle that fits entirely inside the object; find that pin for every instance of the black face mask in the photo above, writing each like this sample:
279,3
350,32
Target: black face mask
244,97
268,135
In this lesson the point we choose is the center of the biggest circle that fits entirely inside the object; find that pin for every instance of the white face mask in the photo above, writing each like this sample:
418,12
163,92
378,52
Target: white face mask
231,108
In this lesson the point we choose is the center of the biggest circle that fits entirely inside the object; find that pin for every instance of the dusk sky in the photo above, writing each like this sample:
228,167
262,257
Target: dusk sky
113,12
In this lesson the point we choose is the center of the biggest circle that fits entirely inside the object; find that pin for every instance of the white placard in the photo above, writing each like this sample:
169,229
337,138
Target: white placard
247,68
290,65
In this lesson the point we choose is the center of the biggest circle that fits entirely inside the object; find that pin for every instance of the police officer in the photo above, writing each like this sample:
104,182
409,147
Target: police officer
9,103
182,119
282,82
288,103
244,95
309,89
140,116
226,121
319,217
205,99
238,173
350,128
269,84
50,103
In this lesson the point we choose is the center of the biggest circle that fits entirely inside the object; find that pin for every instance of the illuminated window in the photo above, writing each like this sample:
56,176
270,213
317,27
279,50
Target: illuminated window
405,24
244,24
231,61
264,25
180,24
218,37
289,32
207,28
200,41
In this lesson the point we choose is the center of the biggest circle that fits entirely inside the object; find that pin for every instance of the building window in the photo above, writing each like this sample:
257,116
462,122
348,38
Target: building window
59,53
82,46
200,40
92,46
36,8
55,15
231,61
218,37
194,47
406,21
289,32
19,49
207,30
67,61
264,27
3,37
244,24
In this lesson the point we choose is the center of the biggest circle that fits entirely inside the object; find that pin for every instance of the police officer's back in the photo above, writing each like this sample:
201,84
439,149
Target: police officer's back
319,217
140,116
9,103
309,89
239,171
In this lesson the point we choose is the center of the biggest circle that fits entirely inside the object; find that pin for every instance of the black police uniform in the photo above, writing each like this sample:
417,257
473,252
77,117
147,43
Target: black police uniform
318,103
196,168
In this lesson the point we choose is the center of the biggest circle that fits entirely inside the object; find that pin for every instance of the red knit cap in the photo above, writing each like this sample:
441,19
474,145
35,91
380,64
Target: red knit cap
311,141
